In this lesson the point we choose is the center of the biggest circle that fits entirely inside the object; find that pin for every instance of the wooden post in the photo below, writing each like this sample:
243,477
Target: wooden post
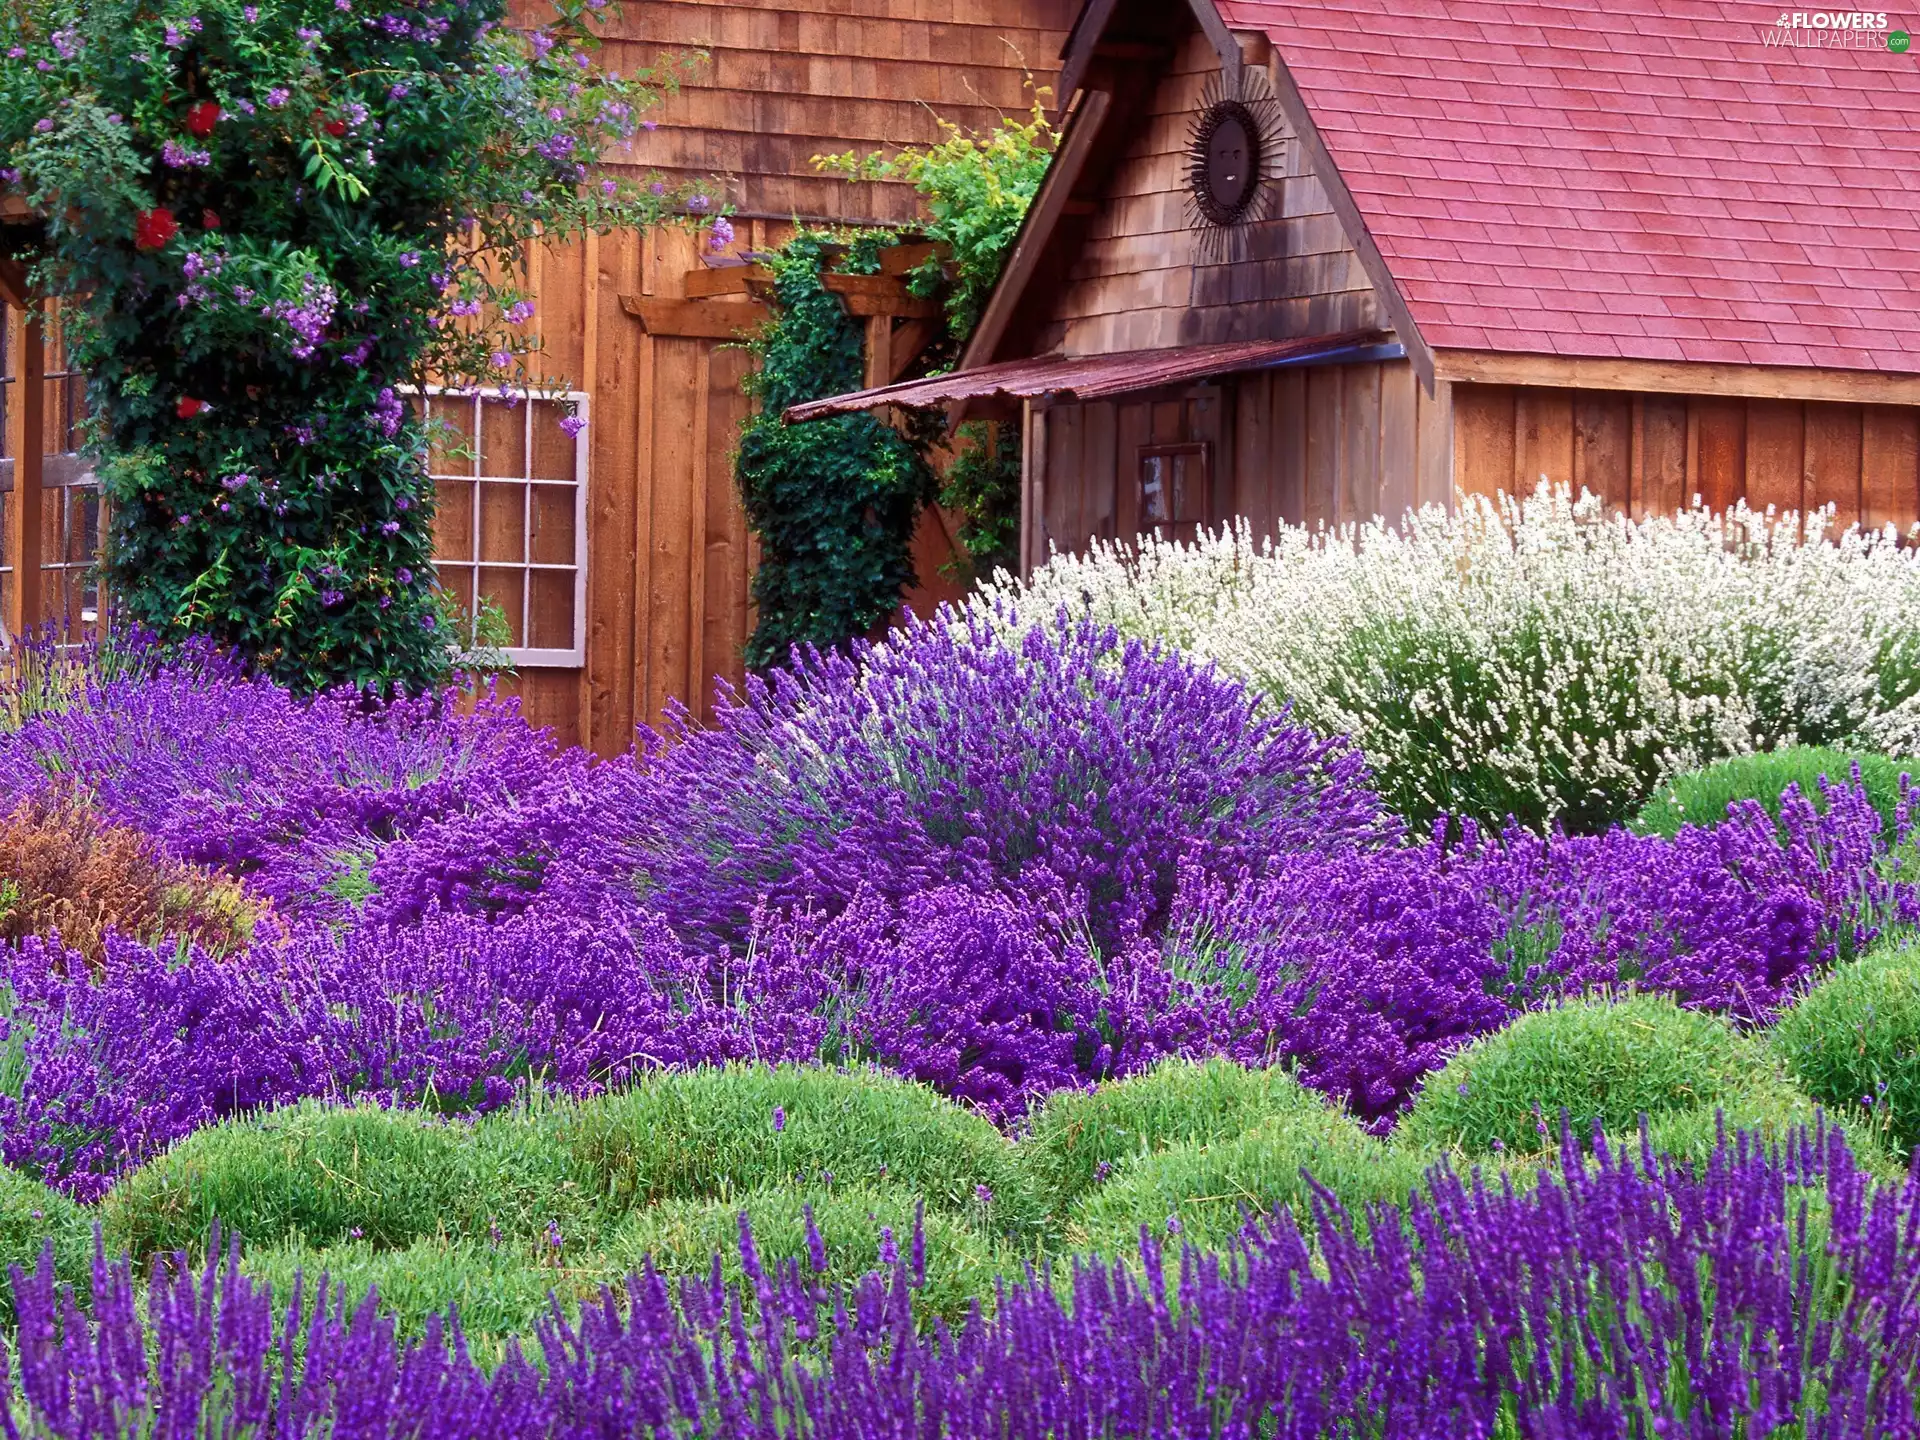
26,441
1033,486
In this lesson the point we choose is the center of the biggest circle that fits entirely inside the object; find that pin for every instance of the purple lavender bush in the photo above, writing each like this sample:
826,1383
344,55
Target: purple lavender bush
108,1065
1063,767
1774,1292
294,795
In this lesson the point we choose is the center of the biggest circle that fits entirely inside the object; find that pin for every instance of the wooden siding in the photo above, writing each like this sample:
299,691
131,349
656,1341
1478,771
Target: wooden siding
785,82
1319,445
669,555
1141,282
1652,453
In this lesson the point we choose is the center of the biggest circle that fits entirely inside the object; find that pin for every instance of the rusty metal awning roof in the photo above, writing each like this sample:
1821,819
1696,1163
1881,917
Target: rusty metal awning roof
1098,377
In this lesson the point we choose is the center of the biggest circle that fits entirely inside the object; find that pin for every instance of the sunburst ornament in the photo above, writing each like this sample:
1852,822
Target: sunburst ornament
1234,158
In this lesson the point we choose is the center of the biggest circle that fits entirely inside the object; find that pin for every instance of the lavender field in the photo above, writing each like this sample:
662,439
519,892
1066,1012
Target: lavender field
1014,1027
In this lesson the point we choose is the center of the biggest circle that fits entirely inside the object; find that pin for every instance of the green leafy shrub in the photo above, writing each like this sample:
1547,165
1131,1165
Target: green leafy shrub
1595,1060
1853,1042
710,1134
31,1215
834,501
1701,797
326,1174
1080,1137
264,212
1770,1110
1203,1193
683,1236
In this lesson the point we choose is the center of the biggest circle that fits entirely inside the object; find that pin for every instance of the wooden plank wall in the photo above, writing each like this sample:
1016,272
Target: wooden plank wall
1652,453
1141,282
1319,445
670,558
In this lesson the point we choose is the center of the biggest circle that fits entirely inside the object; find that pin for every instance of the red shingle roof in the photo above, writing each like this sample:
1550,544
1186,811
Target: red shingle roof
1641,178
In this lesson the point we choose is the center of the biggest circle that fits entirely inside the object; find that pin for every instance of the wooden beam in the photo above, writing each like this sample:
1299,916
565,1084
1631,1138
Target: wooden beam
866,306
1082,44
694,319
1341,199
13,283
1674,377
908,341
899,259
1221,38
879,369
1042,215
26,442
705,283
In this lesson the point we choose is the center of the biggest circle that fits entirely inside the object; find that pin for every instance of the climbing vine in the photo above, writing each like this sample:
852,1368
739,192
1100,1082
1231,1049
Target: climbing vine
273,217
834,501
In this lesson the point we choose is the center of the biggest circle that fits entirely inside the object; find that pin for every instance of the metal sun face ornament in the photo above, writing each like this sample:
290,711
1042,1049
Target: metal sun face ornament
1233,155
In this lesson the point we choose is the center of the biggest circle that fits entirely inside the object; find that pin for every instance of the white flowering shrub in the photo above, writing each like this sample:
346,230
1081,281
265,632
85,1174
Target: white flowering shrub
1541,659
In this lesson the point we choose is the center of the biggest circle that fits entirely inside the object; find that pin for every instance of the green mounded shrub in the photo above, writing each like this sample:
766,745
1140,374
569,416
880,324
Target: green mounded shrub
1768,1109
1701,797
500,1290
1853,1042
323,1174
1595,1060
31,1214
710,1134
683,1236
1077,1132
1203,1194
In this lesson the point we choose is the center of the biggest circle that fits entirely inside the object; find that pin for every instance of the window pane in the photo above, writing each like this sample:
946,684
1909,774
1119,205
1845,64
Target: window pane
1153,490
503,522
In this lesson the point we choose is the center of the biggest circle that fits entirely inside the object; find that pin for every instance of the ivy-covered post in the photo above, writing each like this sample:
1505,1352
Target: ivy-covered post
834,502
271,218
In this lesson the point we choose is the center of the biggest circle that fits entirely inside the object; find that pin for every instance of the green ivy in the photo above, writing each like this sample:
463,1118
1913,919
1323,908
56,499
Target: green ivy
976,187
271,217
834,502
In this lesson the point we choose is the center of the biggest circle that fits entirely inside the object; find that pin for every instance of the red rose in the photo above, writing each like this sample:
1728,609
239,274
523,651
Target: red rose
209,219
202,118
335,128
153,228
189,407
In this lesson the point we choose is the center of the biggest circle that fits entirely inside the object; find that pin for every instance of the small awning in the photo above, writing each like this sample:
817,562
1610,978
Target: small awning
1099,377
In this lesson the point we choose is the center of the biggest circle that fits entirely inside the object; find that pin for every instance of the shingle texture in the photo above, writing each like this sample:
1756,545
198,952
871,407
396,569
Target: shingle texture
1624,178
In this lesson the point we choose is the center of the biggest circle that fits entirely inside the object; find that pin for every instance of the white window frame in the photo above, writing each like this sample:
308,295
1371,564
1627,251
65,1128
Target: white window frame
523,656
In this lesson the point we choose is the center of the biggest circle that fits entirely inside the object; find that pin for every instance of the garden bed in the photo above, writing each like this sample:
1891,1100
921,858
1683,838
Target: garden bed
1026,1024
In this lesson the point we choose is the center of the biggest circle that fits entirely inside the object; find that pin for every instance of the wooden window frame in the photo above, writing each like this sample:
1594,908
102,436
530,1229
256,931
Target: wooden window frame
573,657
1168,451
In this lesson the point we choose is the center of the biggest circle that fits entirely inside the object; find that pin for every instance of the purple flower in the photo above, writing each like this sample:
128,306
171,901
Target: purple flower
572,425
275,97
722,234
779,1119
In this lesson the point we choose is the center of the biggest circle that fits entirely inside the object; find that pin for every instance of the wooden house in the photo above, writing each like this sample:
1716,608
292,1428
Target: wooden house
1327,259
645,326
622,560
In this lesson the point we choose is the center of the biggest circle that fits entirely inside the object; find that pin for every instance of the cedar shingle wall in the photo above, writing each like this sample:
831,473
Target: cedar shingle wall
788,82
1140,281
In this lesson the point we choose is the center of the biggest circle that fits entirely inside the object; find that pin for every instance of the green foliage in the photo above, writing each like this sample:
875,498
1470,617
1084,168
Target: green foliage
31,1216
1853,1042
1080,1137
269,211
1599,1061
1701,797
709,1134
982,483
682,1237
501,1290
1203,1193
834,502
326,1175
976,187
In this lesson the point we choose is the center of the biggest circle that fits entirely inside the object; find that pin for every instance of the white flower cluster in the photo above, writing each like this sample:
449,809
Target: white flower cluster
1540,658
